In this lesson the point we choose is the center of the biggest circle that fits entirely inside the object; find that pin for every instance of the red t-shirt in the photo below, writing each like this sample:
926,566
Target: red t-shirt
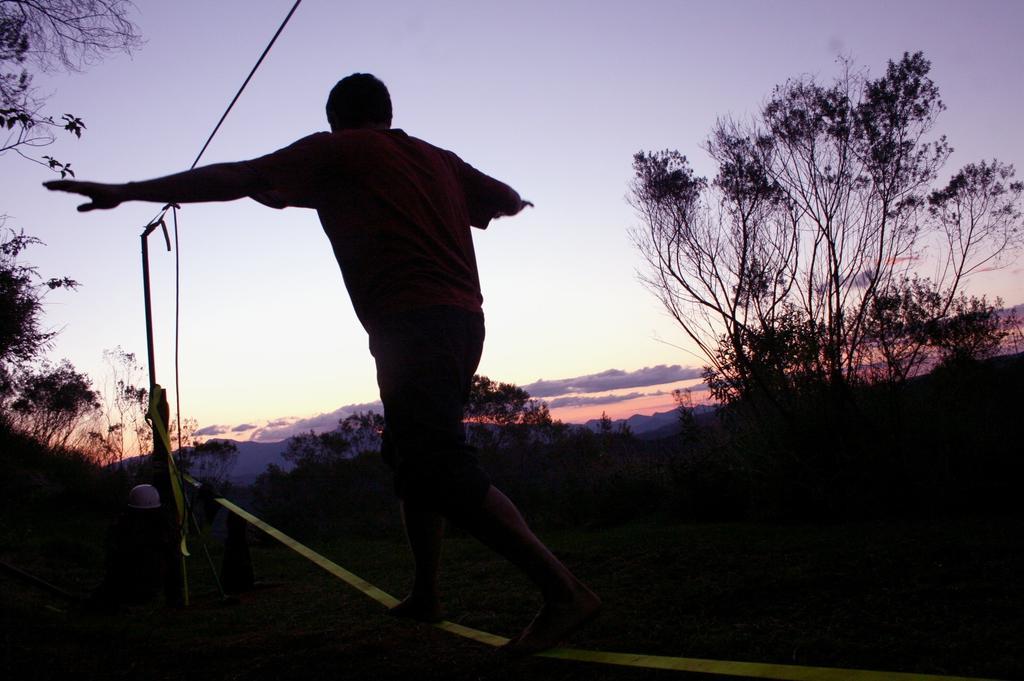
397,211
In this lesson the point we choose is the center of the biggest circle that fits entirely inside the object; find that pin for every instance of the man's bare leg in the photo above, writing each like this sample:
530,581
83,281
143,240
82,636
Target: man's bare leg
425,531
568,604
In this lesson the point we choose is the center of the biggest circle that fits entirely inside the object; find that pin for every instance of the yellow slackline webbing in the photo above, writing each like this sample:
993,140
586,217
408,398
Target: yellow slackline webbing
385,599
157,394
759,670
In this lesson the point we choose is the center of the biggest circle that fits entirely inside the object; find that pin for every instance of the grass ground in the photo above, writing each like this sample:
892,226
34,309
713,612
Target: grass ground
941,597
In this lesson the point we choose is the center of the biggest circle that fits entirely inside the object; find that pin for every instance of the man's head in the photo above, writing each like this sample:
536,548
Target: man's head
359,101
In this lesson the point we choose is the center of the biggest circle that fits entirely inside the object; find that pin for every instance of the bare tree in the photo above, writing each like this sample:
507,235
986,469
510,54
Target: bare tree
119,429
52,34
821,206
71,34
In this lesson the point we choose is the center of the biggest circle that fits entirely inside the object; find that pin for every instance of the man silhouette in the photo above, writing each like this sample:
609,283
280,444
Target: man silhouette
398,213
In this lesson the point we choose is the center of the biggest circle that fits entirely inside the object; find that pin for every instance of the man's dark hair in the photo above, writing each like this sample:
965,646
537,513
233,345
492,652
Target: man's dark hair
358,100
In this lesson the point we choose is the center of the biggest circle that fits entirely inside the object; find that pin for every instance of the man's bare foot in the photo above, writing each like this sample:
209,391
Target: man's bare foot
421,609
555,622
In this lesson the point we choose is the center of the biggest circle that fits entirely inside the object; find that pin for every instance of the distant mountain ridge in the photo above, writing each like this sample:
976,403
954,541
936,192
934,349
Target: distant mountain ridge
252,460
653,426
254,457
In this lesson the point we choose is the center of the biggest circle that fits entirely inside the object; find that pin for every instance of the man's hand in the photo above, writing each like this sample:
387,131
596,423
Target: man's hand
516,201
217,182
522,204
101,195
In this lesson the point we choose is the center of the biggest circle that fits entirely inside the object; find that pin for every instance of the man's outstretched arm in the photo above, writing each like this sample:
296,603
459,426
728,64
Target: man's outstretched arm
218,182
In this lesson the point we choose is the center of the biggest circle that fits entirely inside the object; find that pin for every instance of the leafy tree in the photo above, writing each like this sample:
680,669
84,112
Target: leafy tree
362,431
612,439
897,327
971,330
51,403
22,337
504,404
497,410
209,462
52,34
769,364
496,403
335,483
687,412
913,324
356,434
785,268
317,449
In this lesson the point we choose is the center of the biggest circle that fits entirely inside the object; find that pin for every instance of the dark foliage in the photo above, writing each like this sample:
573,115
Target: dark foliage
51,402
22,336
32,474
939,443
942,443
209,462
795,272
339,482
324,496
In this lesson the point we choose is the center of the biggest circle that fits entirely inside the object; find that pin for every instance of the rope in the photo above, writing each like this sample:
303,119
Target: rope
266,50
177,251
247,79
177,328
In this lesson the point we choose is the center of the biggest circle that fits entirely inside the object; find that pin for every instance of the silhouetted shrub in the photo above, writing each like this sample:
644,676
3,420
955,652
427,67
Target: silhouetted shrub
940,443
320,498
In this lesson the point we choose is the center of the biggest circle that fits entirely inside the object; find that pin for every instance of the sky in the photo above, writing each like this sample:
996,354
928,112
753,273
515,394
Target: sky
553,98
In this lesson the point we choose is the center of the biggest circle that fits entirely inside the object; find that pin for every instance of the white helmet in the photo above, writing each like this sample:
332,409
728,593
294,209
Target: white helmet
144,496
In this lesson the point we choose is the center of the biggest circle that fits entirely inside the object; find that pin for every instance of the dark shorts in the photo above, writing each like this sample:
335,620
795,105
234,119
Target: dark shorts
426,359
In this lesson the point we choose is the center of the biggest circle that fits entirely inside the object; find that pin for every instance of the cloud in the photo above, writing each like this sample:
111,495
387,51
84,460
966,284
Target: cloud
282,429
210,431
580,401
613,379
603,382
